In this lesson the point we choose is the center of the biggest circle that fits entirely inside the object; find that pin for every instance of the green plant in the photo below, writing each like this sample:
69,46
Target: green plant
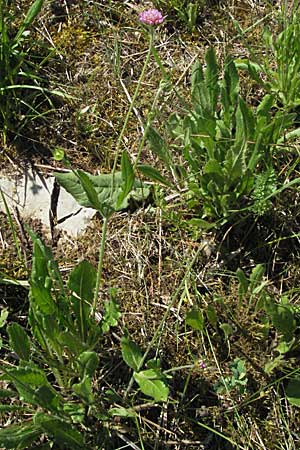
22,90
226,147
63,335
186,11
237,381
282,315
278,71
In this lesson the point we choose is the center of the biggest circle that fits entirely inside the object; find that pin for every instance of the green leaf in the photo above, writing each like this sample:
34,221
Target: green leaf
19,436
159,146
111,316
107,187
32,13
292,392
201,223
195,319
154,175
90,191
19,341
122,412
3,317
256,276
82,280
127,177
88,363
211,314
151,383
4,393
131,353
84,390
243,283
60,431
227,329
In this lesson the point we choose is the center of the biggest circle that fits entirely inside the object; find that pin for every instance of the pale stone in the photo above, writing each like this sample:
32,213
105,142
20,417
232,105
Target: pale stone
30,192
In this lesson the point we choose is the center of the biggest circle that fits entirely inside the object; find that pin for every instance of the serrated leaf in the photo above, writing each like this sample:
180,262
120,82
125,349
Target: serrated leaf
19,341
195,319
131,353
151,383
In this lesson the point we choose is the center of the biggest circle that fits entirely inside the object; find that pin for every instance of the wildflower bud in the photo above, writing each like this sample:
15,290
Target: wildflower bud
151,17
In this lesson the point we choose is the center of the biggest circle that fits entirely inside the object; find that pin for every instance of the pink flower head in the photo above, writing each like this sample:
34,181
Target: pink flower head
151,17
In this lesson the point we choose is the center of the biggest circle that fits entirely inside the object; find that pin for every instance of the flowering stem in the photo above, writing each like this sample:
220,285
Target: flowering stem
100,263
137,90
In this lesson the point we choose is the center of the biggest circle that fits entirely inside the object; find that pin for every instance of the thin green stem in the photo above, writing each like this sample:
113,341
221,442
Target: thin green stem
100,263
164,318
137,90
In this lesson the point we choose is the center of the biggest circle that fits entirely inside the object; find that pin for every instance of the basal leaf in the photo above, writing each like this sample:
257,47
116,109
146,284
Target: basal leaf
88,363
61,432
111,316
90,191
19,436
131,353
195,319
159,146
107,187
3,317
152,383
82,280
19,341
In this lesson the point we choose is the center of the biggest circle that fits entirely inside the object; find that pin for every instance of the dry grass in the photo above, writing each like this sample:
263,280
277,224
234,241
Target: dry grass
99,53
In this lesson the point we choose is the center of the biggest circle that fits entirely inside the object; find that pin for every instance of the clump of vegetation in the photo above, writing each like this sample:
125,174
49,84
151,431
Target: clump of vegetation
174,321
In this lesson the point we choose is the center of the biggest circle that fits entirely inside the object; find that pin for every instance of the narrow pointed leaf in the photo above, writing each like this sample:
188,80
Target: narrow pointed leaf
19,341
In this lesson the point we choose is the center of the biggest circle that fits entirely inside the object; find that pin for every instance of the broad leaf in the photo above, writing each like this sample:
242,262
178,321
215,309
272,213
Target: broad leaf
159,146
152,383
108,188
131,353
3,317
84,390
195,319
88,363
292,392
82,280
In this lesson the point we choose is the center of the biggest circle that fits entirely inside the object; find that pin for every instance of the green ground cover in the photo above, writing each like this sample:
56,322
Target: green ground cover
173,321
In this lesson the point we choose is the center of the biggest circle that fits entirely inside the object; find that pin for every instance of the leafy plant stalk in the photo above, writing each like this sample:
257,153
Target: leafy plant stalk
100,263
